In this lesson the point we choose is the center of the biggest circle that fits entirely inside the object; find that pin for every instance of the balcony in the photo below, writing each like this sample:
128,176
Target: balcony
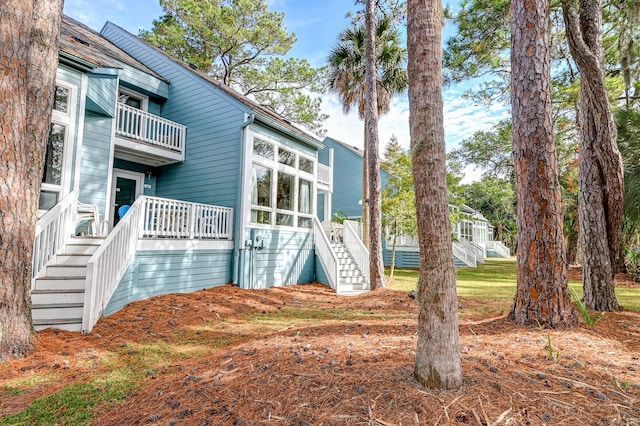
325,177
148,139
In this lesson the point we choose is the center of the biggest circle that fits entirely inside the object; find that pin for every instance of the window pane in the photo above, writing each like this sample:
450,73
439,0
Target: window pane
263,148
261,186
306,165
286,185
61,99
284,219
304,196
55,151
130,100
48,199
304,222
287,158
260,216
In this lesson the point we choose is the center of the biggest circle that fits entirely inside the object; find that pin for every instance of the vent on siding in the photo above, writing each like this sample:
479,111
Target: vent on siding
81,41
193,66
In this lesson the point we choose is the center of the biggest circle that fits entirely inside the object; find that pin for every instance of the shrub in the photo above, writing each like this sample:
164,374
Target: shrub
632,262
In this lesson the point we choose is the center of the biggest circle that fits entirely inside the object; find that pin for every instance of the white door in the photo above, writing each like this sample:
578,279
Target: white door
126,186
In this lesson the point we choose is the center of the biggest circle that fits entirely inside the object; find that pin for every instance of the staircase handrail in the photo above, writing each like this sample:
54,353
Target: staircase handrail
357,248
466,256
326,255
475,248
53,230
109,263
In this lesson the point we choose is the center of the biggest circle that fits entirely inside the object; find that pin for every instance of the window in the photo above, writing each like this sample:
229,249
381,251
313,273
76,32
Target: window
133,99
281,192
260,194
56,157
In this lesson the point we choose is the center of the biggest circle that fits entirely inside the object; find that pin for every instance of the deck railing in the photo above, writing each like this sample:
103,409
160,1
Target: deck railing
53,230
143,126
165,218
324,175
326,255
147,217
356,247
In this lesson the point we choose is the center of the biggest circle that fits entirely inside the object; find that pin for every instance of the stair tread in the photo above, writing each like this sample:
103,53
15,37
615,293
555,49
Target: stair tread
57,291
57,321
57,305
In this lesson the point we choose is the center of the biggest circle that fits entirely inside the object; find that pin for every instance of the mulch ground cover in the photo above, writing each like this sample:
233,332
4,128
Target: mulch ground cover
331,371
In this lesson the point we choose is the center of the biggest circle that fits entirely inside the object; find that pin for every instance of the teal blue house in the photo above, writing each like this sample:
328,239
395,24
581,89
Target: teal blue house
159,179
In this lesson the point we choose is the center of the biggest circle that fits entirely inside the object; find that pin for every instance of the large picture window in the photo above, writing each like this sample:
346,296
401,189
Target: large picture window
282,185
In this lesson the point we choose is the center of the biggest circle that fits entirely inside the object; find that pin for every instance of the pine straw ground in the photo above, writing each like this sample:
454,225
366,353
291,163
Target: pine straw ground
304,356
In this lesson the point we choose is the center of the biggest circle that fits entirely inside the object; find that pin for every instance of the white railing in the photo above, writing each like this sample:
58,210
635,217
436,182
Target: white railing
324,175
109,263
165,218
53,230
357,248
326,255
147,217
466,256
500,249
476,249
140,125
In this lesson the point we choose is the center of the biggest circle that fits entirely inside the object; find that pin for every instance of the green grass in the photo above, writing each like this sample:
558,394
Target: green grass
495,280
76,403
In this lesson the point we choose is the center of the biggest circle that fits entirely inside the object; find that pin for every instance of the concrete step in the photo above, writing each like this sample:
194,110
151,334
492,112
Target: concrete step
73,259
71,324
68,271
54,312
47,297
60,283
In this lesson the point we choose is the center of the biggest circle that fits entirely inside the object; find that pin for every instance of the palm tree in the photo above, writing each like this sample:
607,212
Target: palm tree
347,78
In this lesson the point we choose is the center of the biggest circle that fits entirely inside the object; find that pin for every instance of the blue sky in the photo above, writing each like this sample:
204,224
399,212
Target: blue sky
316,24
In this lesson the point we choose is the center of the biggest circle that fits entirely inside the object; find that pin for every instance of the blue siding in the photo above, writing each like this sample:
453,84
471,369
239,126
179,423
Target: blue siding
94,162
404,259
101,94
321,274
286,259
347,177
214,121
154,273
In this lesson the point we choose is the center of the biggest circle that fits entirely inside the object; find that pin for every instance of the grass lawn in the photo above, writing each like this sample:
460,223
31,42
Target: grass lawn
495,280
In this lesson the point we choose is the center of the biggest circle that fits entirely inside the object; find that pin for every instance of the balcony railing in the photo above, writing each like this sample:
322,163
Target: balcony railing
141,126
324,175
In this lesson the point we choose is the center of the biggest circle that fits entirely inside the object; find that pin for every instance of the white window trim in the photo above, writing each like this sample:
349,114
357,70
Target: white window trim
275,166
144,98
68,120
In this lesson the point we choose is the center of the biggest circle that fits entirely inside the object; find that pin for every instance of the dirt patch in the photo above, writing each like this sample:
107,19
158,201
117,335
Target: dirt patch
260,370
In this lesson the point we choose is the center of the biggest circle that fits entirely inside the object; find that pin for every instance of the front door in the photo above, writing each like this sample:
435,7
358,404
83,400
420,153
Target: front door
126,187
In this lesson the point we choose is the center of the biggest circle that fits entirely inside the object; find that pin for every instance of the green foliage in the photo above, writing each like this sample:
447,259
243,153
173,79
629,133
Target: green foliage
339,217
242,44
398,196
632,262
628,126
489,151
589,320
551,354
346,63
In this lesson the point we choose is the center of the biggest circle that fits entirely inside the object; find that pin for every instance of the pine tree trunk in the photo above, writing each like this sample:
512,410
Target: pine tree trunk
601,188
365,191
29,48
437,354
376,264
542,296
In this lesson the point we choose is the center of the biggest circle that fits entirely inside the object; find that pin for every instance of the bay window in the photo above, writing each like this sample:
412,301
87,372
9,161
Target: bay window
281,185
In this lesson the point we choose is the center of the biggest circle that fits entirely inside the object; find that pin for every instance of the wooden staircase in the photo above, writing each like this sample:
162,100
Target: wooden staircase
352,280
57,299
